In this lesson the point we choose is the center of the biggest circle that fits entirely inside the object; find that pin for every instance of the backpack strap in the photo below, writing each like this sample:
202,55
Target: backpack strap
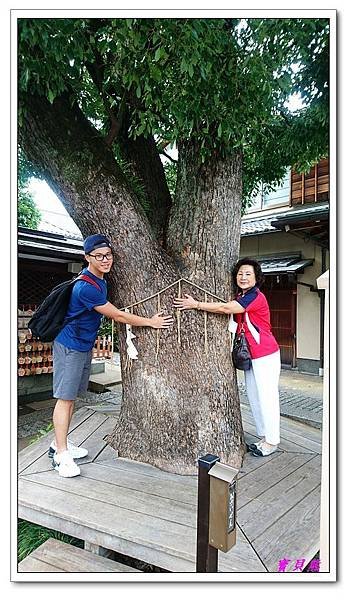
89,279
252,329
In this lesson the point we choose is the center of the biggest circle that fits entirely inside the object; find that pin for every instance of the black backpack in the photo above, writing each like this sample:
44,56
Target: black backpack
49,318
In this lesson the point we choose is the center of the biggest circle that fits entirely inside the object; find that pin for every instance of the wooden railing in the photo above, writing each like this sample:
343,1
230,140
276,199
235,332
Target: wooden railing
103,347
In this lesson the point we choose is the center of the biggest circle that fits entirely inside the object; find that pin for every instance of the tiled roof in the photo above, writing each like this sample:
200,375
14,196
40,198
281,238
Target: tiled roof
302,213
43,243
274,222
292,263
47,226
256,226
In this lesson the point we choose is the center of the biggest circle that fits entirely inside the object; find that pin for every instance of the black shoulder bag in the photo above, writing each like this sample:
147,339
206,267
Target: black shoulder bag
241,355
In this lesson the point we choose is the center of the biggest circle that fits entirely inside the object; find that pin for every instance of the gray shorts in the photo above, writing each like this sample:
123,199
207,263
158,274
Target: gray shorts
71,370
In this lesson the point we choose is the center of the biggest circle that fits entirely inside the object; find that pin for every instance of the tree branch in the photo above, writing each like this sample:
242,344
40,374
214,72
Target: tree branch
168,156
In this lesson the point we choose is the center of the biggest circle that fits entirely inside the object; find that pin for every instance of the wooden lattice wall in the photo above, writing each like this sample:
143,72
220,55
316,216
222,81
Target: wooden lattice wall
36,280
311,187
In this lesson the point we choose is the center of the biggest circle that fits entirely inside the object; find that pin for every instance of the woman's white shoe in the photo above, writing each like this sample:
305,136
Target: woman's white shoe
255,445
264,449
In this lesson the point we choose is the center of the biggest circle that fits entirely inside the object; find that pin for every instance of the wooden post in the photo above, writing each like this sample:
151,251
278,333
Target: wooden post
206,555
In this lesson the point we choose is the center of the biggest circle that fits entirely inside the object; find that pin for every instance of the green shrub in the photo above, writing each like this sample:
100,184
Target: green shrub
106,329
31,536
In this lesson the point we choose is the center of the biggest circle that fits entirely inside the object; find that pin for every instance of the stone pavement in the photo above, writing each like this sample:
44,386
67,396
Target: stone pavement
38,415
301,396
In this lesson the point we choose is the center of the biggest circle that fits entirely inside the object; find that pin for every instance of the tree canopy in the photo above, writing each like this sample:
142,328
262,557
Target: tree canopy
224,83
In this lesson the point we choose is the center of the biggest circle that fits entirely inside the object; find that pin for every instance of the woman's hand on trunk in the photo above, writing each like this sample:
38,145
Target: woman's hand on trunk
186,303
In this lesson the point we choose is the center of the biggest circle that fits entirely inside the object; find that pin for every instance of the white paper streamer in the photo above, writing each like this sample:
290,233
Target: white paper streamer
131,350
232,326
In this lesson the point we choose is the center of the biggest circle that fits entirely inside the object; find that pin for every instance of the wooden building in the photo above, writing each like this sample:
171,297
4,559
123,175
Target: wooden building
44,260
288,232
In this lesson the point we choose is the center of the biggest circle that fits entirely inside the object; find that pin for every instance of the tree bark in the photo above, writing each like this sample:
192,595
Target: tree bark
143,155
180,397
205,223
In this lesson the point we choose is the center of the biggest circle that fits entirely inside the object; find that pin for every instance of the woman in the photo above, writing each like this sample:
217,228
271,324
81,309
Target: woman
250,307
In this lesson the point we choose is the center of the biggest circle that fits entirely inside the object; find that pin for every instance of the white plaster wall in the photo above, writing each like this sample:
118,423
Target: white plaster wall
307,324
308,311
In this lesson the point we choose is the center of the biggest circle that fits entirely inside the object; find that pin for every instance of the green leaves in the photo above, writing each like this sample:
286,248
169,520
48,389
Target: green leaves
50,96
224,83
183,66
28,213
160,54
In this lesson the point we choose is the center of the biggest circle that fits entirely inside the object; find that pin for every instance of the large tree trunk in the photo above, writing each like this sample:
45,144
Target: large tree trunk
181,401
204,229
180,397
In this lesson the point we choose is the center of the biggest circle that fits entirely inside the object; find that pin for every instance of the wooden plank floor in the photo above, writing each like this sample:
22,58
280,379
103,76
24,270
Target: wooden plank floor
55,556
140,511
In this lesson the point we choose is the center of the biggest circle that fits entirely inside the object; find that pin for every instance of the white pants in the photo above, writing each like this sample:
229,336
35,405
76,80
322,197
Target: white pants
262,390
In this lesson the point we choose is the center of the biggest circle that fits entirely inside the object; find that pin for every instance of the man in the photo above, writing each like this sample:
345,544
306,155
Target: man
73,346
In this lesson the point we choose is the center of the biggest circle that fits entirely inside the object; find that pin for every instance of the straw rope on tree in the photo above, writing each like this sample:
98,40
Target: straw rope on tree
178,316
158,330
130,307
205,326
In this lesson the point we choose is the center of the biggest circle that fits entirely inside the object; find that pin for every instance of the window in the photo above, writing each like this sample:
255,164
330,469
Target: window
279,196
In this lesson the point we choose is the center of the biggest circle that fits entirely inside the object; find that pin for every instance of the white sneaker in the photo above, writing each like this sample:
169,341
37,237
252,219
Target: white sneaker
65,464
75,451
256,444
264,451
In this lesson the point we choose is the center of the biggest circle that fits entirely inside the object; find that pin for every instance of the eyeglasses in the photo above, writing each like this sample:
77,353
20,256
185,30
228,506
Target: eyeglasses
100,257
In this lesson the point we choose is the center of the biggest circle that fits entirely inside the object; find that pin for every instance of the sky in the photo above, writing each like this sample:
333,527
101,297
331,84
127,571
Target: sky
52,210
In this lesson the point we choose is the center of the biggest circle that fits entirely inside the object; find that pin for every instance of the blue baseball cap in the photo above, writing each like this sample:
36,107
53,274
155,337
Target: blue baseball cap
96,241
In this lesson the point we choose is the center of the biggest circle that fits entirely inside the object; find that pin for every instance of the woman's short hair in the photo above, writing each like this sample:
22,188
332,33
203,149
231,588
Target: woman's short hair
259,277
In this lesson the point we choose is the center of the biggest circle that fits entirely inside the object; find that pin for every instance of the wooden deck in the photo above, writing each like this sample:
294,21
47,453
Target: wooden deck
140,511
54,556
